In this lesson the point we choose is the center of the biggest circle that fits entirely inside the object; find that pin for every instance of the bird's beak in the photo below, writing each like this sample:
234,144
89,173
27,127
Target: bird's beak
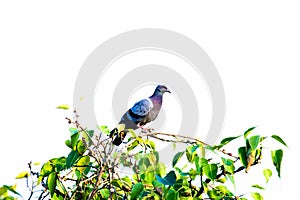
168,91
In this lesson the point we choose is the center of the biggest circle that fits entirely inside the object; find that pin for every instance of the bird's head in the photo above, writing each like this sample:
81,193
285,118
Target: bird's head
161,89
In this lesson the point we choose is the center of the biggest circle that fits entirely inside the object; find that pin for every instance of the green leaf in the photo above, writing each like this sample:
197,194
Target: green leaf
63,106
136,190
126,182
151,144
104,130
248,131
258,187
3,190
254,141
51,183
267,173
257,196
68,143
134,144
80,147
190,154
223,191
59,163
90,132
22,175
228,165
176,158
11,189
72,158
227,140
276,137
172,195
210,171
47,168
243,156
117,183
185,191
150,175
105,193
74,140
200,163
143,164
277,158
169,179
60,187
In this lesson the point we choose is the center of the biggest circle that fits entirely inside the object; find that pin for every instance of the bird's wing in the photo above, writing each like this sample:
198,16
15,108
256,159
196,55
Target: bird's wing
141,108
137,113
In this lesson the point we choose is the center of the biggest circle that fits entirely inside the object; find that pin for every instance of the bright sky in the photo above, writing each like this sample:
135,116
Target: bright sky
43,44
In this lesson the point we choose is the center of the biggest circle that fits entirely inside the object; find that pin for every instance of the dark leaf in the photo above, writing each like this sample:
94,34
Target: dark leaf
243,156
172,195
258,187
169,179
72,158
276,137
176,158
277,158
136,190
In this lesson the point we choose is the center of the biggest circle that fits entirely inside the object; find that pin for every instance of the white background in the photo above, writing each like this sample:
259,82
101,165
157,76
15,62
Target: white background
254,45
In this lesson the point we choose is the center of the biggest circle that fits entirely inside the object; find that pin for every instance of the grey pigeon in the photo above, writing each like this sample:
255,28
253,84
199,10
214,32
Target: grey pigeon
140,114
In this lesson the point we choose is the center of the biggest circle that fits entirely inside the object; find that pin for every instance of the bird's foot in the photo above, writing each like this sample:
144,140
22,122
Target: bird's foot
146,130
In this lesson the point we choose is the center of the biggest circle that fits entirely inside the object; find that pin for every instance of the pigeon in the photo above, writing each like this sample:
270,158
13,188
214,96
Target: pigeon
140,114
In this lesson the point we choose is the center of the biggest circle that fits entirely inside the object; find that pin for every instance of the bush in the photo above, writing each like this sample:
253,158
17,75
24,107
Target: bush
91,169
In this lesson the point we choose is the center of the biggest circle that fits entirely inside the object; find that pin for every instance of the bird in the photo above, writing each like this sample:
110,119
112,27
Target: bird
141,113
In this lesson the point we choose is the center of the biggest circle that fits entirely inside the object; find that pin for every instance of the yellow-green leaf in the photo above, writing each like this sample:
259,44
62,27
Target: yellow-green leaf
257,196
267,173
82,162
36,163
51,183
63,106
22,175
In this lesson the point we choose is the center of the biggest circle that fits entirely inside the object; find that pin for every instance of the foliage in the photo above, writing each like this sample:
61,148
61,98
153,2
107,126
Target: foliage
91,168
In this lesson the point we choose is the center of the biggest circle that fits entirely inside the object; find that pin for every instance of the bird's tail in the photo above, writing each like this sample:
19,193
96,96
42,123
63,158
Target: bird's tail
117,136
